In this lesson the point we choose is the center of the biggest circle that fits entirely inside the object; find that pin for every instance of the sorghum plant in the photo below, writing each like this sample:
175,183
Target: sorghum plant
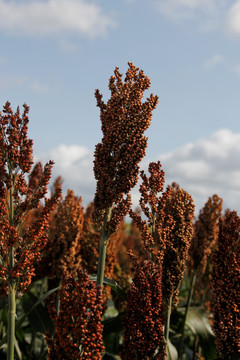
226,287
89,250
129,239
180,207
154,234
62,252
202,246
205,233
152,203
143,327
78,329
89,242
170,215
20,244
116,166
203,243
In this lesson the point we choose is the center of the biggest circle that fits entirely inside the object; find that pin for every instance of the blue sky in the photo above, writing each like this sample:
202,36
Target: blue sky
55,53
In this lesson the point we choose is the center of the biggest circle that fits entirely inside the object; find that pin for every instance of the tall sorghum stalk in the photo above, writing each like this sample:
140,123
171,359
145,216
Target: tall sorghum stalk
226,288
143,328
116,166
179,208
104,238
11,284
167,321
170,217
20,242
202,245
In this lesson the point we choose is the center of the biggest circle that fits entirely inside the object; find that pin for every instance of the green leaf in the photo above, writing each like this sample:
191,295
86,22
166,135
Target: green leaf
198,323
4,341
113,285
17,349
37,313
172,353
38,302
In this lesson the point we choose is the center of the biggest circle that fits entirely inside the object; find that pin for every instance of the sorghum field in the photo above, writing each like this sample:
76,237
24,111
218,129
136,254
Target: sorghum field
82,283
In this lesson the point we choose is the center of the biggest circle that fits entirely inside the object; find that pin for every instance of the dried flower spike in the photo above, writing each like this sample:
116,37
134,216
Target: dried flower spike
78,328
143,326
226,287
124,120
21,242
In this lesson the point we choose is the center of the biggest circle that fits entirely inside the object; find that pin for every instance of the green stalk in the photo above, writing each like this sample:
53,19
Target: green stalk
167,323
102,251
11,322
186,312
11,284
101,264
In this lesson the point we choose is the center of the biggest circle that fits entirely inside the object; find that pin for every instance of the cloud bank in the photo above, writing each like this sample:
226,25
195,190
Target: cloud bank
208,15
41,18
213,61
206,167
187,9
74,164
233,19
203,168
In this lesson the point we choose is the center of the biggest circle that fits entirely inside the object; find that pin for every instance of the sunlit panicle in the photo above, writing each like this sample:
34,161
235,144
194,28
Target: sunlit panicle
124,120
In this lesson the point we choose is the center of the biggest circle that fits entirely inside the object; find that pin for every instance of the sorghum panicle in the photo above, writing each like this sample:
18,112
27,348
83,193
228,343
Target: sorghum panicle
78,328
180,207
205,233
116,166
18,198
155,230
89,242
150,188
226,287
62,252
143,326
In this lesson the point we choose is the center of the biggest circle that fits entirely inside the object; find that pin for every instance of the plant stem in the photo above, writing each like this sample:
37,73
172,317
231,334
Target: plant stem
186,312
101,264
11,322
167,322
11,282
102,251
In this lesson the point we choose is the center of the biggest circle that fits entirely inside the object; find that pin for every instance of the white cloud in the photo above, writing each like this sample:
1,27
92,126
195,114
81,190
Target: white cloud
213,61
39,87
233,19
185,9
205,15
23,82
203,168
206,167
43,18
74,164
236,69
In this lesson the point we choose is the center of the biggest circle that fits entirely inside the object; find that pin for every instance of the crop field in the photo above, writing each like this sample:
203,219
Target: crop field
82,282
